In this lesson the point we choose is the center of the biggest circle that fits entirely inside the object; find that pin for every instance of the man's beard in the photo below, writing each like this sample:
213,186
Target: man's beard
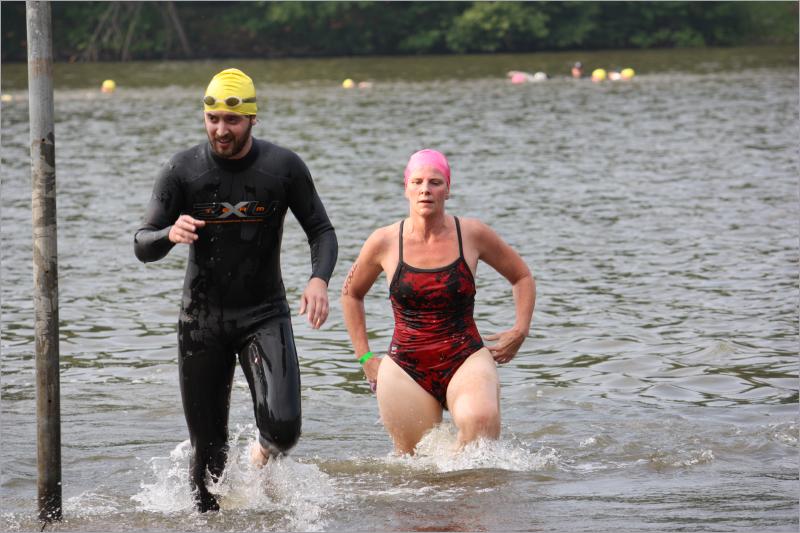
235,146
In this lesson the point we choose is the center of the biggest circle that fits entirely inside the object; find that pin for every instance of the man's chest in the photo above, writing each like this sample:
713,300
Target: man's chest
235,198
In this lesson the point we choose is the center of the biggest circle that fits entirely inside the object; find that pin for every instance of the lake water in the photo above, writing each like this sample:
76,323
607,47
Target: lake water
658,390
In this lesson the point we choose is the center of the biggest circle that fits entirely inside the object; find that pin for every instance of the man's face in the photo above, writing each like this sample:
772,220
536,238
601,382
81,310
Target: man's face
229,133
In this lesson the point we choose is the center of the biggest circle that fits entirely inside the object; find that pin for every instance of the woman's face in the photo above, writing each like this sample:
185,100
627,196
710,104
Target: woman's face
426,190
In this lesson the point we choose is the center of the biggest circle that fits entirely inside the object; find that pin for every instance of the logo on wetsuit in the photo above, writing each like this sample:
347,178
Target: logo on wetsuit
221,212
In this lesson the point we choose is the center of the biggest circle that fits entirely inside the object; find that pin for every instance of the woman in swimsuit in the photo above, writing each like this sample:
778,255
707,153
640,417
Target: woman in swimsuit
437,359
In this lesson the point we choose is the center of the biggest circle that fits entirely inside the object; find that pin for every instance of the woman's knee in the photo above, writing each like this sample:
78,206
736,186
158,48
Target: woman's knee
487,415
476,419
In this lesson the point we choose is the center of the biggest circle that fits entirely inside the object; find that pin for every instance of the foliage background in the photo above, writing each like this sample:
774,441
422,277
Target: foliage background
122,31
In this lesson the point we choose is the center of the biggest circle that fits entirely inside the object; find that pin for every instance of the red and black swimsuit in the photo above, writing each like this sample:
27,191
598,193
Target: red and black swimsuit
434,332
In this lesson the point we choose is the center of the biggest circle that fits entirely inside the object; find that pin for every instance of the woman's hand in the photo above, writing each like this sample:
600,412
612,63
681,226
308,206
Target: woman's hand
508,343
371,371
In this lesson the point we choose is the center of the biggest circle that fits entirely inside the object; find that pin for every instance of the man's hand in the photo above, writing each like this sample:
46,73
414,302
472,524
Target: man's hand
314,302
185,230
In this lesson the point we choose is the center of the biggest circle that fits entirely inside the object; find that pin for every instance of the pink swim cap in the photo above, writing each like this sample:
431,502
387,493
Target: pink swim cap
427,157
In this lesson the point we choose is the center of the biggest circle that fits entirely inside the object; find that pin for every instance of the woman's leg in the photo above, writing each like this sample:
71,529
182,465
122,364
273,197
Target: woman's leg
407,410
473,398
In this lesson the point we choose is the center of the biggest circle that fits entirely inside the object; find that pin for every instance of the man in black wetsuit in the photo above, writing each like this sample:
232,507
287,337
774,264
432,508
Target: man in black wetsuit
227,200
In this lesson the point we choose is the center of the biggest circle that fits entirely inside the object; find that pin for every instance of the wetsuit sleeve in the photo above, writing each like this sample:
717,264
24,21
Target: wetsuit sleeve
309,211
151,241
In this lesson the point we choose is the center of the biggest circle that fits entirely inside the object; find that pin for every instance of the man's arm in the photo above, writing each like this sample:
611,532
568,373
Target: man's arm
152,240
309,211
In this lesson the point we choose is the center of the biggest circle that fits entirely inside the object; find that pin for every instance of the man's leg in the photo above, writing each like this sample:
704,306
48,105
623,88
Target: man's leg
269,362
206,375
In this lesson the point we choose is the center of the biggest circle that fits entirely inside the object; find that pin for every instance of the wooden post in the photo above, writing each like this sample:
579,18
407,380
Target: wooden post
45,258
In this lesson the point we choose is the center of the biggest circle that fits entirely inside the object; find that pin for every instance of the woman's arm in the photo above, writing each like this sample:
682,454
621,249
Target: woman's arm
505,260
359,280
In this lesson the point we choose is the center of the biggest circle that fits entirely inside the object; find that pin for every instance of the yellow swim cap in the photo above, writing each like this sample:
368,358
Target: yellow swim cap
627,73
348,83
598,74
108,86
231,90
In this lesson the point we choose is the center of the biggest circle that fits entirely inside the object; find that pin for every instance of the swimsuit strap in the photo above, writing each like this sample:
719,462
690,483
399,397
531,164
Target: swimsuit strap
460,245
401,240
458,232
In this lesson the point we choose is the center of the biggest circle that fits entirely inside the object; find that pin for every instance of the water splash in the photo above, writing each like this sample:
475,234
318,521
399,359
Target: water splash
291,495
10,522
785,433
91,503
438,451
170,492
661,460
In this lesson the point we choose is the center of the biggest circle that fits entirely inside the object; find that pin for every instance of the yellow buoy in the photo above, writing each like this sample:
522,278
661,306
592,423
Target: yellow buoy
108,86
627,73
598,74
348,83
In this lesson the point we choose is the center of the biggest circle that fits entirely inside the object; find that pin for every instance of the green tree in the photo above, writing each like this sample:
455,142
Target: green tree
347,28
571,23
768,22
495,26
113,31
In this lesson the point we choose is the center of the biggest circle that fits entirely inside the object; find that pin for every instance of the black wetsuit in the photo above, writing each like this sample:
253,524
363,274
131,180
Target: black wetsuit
234,300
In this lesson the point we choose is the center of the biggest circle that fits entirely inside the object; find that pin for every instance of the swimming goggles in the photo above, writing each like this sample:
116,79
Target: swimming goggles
231,101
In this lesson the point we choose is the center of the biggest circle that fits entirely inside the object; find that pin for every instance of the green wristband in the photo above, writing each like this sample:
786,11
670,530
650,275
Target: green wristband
366,357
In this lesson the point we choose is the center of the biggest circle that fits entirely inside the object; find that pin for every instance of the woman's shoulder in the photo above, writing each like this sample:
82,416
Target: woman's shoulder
383,237
472,225
478,235
387,231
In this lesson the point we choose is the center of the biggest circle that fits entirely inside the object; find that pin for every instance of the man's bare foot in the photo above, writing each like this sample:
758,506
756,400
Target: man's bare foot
258,455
